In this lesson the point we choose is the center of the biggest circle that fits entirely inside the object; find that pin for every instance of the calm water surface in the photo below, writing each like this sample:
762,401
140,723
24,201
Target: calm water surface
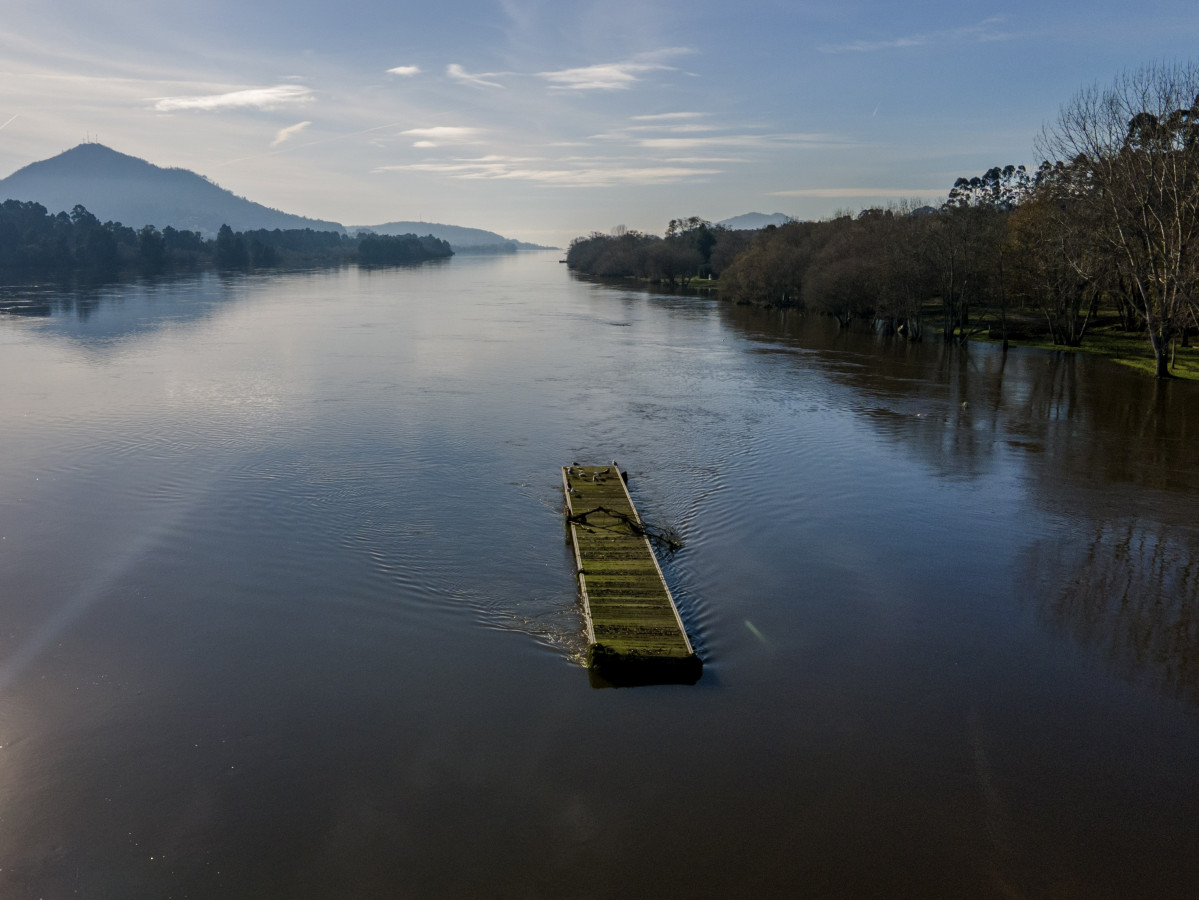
286,608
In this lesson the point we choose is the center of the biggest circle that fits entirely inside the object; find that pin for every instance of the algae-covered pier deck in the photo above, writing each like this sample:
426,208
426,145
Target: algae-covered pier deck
634,632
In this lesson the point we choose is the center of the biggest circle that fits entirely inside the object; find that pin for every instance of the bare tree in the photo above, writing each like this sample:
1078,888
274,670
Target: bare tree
962,246
1057,264
1137,145
771,271
843,279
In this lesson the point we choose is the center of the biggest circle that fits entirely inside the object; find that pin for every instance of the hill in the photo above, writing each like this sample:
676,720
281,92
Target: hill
463,240
753,221
121,188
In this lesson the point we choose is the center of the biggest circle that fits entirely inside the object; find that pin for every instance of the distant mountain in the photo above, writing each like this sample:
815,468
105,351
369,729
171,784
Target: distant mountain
121,188
462,240
753,221
125,189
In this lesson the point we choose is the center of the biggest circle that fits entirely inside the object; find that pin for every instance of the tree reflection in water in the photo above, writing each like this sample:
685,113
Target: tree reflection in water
1105,454
1131,596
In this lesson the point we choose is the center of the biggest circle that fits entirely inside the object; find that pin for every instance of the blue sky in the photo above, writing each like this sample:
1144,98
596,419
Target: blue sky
547,120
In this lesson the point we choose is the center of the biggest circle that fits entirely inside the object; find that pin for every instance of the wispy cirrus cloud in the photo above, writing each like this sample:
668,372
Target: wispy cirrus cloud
741,141
615,76
582,172
404,71
286,134
252,98
684,132
835,193
679,128
455,71
709,160
670,116
985,31
605,77
437,135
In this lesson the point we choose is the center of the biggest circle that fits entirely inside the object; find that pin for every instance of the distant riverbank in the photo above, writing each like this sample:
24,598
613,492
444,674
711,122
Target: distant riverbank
35,244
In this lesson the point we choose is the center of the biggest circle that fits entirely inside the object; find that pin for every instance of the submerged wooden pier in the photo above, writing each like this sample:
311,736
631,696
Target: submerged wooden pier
634,632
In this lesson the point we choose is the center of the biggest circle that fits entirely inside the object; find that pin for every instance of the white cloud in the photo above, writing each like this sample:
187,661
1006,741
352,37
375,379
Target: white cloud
585,173
741,140
614,76
286,134
710,160
253,98
404,71
683,128
458,73
847,192
606,77
601,77
443,131
685,133
437,135
983,32
658,117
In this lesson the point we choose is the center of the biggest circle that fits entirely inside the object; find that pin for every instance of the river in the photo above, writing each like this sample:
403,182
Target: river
286,608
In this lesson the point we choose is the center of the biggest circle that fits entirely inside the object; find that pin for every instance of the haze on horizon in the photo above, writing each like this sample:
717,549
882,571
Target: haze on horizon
544,121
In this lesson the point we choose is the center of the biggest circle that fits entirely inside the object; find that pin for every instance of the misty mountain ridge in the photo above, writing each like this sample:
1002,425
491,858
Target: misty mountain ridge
121,188
457,236
117,187
754,221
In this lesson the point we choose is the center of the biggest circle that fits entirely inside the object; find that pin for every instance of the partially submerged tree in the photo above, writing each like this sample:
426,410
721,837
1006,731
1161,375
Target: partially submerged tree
843,279
771,271
895,237
611,256
1057,266
966,248
1135,146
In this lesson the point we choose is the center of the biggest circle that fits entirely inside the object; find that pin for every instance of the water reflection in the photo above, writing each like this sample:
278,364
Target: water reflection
1130,595
109,314
1087,441
330,608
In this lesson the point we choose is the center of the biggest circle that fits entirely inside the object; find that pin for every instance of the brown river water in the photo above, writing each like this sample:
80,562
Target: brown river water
286,609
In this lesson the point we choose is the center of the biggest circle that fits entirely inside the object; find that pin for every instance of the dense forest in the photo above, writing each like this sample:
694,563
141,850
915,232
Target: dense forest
1109,224
37,244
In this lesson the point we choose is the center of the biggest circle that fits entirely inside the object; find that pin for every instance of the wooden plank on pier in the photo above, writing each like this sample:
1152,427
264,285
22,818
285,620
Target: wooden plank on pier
634,631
